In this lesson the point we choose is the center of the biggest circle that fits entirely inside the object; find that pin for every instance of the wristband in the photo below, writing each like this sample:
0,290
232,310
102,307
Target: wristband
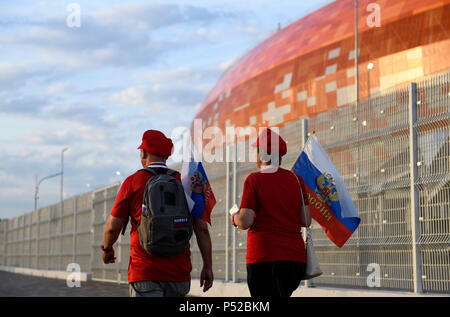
106,250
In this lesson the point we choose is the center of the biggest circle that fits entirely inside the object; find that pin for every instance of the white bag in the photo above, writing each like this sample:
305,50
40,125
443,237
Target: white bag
312,265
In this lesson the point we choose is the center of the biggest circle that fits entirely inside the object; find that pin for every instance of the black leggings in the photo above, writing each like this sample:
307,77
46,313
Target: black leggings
274,279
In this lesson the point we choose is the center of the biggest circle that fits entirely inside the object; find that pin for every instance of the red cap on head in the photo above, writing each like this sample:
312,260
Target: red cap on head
267,141
155,142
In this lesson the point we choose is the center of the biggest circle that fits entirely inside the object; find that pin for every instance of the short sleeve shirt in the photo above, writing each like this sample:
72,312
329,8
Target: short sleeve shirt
275,234
143,266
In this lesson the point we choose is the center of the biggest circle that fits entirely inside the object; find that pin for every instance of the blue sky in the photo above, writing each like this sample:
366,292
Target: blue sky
129,67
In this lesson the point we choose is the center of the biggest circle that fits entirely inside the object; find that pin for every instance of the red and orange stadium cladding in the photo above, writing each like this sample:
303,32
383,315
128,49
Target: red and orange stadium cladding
309,66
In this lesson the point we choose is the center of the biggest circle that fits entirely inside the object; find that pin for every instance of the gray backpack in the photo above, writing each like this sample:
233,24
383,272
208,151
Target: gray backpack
165,227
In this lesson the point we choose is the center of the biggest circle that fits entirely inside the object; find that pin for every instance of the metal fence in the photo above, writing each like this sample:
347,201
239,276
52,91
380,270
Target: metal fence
393,154
48,239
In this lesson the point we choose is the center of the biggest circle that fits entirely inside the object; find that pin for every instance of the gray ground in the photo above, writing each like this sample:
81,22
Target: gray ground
14,285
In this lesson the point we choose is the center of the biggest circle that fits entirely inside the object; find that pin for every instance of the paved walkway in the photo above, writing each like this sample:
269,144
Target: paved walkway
18,285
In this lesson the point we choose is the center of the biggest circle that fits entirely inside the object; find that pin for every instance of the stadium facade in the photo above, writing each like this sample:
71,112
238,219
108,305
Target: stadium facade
309,66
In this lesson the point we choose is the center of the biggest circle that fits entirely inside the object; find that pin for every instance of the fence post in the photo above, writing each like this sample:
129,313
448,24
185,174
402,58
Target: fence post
49,237
5,228
92,245
30,231
234,196
119,246
22,244
227,207
38,233
74,219
414,192
304,137
60,234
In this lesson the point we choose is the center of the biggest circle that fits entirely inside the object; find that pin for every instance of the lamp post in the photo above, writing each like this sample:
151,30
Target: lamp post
36,197
36,188
38,183
62,172
61,208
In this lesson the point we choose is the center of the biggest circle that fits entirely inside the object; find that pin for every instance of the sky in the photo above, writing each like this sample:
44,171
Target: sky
95,76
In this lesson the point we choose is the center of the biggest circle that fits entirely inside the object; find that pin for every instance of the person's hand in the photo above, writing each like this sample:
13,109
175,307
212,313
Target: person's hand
233,211
108,255
206,278
232,219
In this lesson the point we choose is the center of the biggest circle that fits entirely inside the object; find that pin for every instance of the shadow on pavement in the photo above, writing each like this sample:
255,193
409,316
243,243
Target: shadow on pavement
18,285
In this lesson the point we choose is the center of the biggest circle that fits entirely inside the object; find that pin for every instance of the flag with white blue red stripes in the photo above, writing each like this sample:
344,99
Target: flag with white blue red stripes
329,200
199,193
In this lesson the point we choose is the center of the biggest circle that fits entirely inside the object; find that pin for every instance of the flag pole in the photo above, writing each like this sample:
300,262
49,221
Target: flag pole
358,169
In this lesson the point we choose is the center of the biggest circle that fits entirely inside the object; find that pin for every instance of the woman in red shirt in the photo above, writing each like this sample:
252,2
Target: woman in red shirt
270,210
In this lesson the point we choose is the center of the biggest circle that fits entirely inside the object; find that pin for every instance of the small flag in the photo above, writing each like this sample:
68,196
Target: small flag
329,200
199,194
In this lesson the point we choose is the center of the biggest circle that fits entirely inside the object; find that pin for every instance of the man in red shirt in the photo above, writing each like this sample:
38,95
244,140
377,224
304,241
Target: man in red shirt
149,275
270,209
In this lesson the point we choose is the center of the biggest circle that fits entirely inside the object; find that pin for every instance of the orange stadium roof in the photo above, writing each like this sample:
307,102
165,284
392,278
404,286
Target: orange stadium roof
309,66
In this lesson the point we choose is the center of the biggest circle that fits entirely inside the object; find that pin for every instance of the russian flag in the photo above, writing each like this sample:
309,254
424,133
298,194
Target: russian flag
198,191
329,200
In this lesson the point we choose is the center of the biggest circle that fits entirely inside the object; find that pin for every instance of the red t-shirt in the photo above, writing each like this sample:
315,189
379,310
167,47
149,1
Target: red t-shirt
275,234
143,266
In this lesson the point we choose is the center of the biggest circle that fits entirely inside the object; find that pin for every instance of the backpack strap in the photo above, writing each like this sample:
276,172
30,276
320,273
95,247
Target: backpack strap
170,172
150,170
126,223
159,171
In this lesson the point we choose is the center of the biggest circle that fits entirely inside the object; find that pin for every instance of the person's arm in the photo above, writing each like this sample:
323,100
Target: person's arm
204,244
243,219
115,222
110,235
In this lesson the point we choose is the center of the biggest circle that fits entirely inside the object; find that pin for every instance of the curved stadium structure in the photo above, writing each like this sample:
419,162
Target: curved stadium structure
309,66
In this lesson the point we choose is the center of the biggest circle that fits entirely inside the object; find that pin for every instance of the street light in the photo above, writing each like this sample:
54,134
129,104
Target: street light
62,172
38,183
61,207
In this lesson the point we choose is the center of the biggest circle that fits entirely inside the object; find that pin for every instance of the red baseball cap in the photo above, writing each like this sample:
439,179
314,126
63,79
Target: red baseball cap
155,142
267,140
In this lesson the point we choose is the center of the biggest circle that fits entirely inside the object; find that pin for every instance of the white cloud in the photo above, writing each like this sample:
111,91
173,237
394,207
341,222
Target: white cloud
15,75
57,88
132,96
52,137
119,35
181,73
151,16
201,31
